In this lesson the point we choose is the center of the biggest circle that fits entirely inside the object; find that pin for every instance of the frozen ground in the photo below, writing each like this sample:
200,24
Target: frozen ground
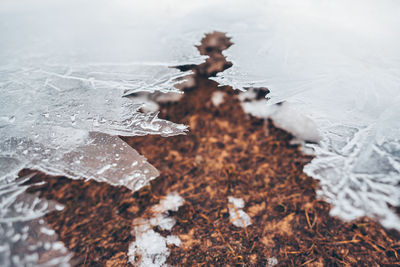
65,66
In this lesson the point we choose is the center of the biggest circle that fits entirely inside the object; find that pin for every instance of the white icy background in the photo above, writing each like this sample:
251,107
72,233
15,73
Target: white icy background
337,63
64,66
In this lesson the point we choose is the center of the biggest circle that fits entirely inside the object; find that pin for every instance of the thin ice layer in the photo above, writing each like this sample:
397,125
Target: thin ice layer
338,63
64,68
61,79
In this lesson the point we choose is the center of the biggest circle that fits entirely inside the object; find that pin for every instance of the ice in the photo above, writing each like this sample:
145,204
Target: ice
272,261
338,64
65,68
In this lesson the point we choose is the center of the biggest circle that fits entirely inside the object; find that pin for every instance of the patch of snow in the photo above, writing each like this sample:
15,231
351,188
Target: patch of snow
237,216
217,98
150,248
171,202
164,221
173,240
272,261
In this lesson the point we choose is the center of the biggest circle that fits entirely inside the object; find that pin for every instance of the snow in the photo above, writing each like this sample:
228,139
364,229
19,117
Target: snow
217,98
237,216
171,202
272,261
149,247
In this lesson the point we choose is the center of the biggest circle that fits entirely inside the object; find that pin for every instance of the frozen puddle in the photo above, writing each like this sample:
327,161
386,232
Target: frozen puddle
150,248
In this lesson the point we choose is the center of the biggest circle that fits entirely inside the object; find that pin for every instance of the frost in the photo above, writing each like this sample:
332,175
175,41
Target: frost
237,216
150,248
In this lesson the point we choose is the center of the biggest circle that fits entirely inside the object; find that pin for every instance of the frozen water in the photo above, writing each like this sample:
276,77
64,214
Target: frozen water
285,117
337,63
64,69
62,85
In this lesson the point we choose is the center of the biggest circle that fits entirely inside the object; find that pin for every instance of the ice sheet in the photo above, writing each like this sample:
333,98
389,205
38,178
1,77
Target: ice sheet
338,63
64,69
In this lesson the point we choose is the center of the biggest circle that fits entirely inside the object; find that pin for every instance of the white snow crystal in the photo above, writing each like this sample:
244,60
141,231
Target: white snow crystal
171,202
149,245
238,217
217,98
272,262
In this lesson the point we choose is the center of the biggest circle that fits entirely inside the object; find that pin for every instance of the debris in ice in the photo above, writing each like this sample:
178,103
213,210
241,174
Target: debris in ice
237,216
217,98
149,247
